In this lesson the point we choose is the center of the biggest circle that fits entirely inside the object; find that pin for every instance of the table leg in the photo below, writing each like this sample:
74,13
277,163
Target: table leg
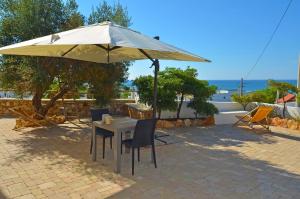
152,158
117,152
127,136
94,148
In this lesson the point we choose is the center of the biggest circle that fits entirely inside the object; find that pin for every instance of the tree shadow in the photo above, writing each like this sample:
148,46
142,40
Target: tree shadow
61,146
286,136
2,195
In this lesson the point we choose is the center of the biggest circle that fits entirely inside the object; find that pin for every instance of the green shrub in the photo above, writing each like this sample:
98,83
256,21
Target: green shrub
166,95
243,100
202,107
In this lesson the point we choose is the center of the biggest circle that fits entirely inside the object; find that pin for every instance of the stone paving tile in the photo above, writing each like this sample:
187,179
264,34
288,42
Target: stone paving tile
214,162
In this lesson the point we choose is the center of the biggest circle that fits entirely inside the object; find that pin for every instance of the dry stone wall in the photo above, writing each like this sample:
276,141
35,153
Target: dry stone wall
79,107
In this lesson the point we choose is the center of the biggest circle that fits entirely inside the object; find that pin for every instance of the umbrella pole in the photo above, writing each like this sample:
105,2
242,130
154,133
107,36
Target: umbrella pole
156,69
155,63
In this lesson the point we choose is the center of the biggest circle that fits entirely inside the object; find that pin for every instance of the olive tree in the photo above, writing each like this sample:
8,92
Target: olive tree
22,20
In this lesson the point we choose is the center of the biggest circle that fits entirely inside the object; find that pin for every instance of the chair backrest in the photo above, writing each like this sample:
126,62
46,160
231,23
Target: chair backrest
144,133
97,113
261,113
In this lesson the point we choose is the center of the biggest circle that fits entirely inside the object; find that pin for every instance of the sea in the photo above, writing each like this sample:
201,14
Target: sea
225,87
249,85
234,85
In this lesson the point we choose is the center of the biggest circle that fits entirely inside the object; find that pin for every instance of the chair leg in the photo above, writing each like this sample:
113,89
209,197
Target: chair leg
91,146
103,145
121,143
110,142
138,154
132,164
154,155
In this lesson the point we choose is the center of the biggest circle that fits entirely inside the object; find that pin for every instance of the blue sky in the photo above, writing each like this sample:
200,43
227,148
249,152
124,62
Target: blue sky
231,33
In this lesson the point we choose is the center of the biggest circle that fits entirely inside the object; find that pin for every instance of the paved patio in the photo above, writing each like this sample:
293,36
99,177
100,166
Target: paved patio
215,162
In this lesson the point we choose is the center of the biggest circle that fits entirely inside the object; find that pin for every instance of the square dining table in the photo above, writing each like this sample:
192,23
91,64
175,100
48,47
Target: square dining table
117,126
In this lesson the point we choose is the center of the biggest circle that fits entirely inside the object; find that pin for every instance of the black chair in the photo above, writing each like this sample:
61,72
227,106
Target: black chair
97,116
143,136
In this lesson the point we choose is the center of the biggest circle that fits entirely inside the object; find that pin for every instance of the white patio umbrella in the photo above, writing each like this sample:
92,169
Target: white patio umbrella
102,43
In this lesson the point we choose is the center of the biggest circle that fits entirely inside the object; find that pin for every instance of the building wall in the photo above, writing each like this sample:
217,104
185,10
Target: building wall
227,106
187,112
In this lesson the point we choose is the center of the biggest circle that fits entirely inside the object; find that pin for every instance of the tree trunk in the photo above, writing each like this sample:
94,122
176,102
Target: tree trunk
159,113
40,110
37,103
283,110
180,105
196,115
284,106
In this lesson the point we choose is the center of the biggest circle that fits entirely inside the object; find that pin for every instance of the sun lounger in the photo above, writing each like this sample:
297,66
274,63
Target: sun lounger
260,117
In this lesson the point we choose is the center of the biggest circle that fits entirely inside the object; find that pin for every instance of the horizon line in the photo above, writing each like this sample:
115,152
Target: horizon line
240,79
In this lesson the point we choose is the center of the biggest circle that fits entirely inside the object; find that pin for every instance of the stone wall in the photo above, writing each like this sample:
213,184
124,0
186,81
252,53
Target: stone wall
76,107
179,123
292,111
285,123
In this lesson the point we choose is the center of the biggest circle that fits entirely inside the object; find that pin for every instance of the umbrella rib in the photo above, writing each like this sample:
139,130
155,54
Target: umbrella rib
107,49
99,45
69,50
147,55
114,48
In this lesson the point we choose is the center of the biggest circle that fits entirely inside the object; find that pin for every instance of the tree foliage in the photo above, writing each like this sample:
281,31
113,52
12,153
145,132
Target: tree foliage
243,100
283,88
105,12
166,95
267,95
106,86
27,19
202,92
202,107
183,82
173,82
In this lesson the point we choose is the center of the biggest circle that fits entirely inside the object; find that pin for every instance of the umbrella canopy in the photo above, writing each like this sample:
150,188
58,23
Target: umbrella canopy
102,43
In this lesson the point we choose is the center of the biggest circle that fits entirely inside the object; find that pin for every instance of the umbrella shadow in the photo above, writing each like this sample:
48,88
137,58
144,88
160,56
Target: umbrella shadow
2,195
61,146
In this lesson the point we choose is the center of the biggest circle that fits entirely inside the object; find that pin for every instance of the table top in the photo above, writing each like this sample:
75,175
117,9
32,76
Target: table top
117,124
